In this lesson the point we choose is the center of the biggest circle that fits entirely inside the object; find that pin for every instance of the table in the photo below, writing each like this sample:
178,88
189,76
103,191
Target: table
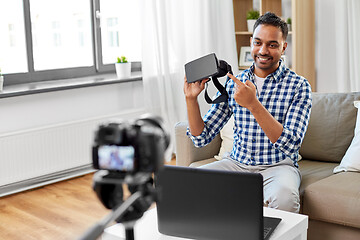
292,227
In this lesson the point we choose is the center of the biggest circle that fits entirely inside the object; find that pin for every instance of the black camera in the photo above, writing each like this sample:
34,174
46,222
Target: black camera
131,147
127,153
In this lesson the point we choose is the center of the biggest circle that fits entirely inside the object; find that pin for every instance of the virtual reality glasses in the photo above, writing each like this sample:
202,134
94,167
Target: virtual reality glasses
209,67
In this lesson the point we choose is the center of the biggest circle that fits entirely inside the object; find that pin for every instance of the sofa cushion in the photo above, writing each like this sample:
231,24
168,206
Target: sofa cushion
320,230
186,152
312,171
227,137
331,126
335,199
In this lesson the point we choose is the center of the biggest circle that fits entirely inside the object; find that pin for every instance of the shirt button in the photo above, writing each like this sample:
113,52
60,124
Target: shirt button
252,158
253,140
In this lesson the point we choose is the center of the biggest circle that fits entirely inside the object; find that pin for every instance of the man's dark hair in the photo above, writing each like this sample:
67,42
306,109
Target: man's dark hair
272,19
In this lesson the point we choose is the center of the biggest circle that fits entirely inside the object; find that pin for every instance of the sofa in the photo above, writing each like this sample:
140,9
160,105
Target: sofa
331,200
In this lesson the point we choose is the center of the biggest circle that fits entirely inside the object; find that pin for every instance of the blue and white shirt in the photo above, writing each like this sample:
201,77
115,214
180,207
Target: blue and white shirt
287,97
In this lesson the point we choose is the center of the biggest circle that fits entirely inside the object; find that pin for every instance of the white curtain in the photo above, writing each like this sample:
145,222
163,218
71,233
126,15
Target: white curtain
175,32
337,45
347,32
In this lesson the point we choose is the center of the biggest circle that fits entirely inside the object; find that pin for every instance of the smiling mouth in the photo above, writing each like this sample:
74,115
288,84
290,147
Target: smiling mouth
263,59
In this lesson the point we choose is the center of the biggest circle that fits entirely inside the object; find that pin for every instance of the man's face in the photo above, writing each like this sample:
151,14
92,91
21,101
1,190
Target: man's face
267,46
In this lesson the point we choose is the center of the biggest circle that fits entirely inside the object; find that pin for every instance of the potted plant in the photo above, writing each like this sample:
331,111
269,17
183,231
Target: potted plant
288,21
1,81
123,68
251,17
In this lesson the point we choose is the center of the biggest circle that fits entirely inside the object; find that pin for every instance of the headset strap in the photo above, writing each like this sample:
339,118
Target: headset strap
223,93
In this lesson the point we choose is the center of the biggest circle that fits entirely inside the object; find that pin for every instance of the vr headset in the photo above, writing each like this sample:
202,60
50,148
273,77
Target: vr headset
209,67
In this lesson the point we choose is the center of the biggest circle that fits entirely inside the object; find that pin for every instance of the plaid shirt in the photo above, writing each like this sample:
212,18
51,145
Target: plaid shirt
286,96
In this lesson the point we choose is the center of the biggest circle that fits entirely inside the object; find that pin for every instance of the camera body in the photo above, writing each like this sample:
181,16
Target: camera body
130,147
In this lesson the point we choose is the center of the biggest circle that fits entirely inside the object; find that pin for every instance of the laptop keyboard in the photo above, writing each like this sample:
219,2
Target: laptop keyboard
266,231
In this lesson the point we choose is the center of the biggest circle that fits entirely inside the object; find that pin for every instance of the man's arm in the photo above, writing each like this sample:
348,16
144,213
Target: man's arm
271,127
202,130
191,92
245,96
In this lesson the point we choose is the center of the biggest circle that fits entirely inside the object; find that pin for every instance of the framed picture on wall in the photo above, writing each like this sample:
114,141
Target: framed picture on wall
284,58
246,59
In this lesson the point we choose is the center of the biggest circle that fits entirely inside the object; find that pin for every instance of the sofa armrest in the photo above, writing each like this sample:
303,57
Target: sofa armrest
187,153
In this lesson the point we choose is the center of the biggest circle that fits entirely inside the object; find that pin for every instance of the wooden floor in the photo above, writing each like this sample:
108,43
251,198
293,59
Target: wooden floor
63,210
59,211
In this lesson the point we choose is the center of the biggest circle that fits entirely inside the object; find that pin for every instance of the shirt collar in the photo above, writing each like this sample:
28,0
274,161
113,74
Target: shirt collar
275,75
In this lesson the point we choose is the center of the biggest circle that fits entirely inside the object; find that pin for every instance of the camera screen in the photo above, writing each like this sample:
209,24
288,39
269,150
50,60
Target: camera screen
112,157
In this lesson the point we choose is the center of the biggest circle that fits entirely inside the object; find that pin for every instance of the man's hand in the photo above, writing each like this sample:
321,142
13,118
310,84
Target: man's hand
192,90
245,96
245,93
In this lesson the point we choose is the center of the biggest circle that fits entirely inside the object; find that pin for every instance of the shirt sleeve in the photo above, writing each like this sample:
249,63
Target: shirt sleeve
296,121
214,120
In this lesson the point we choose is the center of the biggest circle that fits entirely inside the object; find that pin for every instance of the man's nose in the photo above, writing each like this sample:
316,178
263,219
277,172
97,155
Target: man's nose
263,50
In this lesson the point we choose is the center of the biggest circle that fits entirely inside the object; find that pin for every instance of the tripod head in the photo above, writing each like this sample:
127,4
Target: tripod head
109,189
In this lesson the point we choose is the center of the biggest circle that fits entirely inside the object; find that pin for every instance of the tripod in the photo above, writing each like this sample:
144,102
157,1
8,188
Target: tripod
126,212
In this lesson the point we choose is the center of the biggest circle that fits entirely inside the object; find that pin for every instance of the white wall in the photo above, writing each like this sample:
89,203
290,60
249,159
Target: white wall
38,110
48,136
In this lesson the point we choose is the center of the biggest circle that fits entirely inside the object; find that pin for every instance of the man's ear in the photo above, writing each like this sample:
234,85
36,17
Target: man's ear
250,41
284,47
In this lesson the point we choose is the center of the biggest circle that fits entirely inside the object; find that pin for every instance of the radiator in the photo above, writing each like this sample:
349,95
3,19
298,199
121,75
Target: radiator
40,156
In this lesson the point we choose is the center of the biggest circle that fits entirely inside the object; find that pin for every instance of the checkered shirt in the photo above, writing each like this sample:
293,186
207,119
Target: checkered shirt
286,95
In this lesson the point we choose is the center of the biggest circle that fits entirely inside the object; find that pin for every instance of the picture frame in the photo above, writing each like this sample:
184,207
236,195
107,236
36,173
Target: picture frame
246,59
284,58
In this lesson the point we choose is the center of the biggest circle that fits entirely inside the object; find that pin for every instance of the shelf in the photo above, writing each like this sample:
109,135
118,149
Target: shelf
243,33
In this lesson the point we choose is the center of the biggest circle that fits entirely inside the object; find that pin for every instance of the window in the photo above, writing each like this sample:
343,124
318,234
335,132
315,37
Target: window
12,36
12,41
112,32
57,39
116,19
57,34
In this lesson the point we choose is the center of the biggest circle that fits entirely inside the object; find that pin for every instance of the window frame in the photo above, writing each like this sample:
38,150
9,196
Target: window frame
64,73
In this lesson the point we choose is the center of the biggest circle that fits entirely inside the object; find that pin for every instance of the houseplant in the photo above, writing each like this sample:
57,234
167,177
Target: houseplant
123,68
251,17
1,81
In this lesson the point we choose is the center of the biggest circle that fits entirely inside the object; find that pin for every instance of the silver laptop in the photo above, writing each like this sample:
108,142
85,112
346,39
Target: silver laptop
211,204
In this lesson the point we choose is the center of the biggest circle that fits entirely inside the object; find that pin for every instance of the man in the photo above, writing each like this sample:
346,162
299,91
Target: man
271,107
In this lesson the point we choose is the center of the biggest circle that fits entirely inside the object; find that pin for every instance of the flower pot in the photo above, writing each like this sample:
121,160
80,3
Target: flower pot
250,24
1,83
123,70
289,27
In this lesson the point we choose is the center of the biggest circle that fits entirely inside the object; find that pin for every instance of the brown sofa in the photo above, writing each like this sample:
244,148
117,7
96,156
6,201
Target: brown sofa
332,201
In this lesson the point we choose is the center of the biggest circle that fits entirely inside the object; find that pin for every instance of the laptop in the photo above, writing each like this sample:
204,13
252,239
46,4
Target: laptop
211,204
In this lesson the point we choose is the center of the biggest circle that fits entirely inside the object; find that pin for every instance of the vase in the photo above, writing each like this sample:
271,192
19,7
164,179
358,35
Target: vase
250,24
123,70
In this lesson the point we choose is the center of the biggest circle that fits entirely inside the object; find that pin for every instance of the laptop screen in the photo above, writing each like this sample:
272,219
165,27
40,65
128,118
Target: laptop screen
209,204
